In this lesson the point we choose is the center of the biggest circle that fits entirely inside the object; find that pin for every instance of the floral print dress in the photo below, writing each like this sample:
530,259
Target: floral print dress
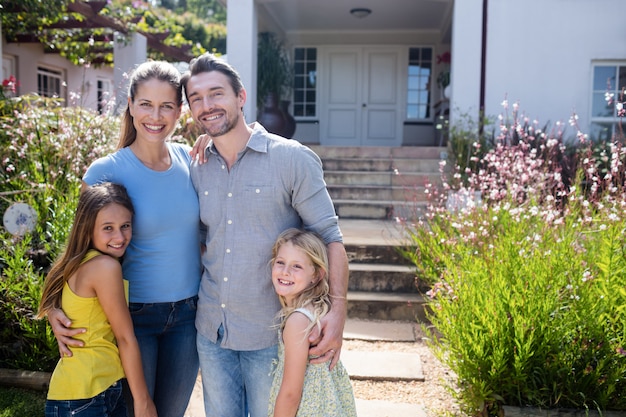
325,393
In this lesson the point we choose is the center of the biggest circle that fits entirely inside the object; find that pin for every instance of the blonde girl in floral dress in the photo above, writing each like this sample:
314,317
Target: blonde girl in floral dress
300,278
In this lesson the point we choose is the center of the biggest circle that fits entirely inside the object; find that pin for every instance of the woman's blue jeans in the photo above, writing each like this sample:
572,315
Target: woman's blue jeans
235,382
109,403
166,333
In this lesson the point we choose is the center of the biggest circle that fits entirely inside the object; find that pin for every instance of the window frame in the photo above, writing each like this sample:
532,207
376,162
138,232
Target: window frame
50,73
420,79
608,124
305,90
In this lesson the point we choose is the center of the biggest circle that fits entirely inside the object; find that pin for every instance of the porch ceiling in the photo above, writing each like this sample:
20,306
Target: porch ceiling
334,15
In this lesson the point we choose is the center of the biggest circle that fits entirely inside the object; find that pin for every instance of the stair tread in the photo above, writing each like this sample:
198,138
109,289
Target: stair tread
376,158
381,267
385,296
370,186
391,172
378,202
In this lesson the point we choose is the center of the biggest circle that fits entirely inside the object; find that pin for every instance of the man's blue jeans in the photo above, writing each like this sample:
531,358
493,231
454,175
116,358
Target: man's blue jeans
109,403
235,382
166,333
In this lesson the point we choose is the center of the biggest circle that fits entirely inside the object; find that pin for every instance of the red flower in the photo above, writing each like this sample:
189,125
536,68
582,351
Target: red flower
10,84
443,58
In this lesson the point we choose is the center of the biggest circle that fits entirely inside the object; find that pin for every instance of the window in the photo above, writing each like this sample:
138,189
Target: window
104,95
418,91
608,81
49,82
305,82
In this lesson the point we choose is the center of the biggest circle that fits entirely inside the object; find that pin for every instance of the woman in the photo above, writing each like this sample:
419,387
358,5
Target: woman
162,263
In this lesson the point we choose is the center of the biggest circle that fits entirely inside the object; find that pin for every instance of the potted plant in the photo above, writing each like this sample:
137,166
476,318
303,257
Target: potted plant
274,82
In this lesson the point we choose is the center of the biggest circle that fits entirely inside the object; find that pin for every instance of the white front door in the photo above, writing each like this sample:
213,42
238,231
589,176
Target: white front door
360,99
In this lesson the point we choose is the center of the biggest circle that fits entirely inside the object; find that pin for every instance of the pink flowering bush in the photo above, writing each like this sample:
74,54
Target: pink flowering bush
45,149
528,272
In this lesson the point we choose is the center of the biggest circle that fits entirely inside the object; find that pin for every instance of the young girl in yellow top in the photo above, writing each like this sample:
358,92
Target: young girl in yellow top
300,278
86,281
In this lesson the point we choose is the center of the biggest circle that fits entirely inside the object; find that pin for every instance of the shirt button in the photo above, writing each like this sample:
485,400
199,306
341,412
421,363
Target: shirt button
206,193
227,250
225,279
223,305
257,191
230,194
223,166
230,222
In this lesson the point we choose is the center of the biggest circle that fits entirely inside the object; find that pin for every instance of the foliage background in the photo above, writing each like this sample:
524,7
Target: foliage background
197,24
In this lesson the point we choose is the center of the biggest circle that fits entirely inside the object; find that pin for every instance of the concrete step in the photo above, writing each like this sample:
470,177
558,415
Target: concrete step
379,210
382,283
377,192
402,152
385,278
409,180
373,234
381,331
379,408
382,366
380,182
386,306
381,164
380,252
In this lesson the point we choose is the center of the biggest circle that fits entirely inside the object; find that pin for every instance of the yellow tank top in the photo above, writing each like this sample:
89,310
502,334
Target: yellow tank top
96,366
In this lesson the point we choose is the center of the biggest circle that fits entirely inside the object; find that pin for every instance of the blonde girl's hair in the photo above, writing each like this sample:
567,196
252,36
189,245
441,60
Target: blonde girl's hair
159,70
315,298
91,201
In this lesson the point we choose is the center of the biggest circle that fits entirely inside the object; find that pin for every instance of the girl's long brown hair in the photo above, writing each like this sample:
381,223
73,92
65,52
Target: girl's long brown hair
91,201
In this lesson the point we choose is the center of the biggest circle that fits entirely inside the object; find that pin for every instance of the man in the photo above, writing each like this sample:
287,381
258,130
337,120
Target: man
253,186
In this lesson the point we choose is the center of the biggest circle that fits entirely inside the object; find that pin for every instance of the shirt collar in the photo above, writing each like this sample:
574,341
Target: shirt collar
258,141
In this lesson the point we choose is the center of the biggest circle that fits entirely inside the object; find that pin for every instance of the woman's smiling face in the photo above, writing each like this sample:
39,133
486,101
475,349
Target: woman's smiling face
154,110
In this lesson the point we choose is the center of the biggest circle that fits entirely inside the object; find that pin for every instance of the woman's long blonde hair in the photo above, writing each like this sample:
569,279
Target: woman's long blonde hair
316,297
91,201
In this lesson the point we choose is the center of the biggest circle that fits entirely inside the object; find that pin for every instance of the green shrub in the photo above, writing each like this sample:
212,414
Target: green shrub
528,277
25,343
15,402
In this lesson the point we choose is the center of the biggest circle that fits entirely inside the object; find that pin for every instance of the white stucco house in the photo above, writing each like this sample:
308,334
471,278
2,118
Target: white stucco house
50,75
367,71
375,76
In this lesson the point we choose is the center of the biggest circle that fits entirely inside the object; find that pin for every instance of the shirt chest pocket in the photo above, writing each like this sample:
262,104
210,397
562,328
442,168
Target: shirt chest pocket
258,200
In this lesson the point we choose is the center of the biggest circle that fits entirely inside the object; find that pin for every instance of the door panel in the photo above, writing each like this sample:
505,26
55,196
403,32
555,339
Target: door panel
343,117
361,101
342,125
381,126
382,116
